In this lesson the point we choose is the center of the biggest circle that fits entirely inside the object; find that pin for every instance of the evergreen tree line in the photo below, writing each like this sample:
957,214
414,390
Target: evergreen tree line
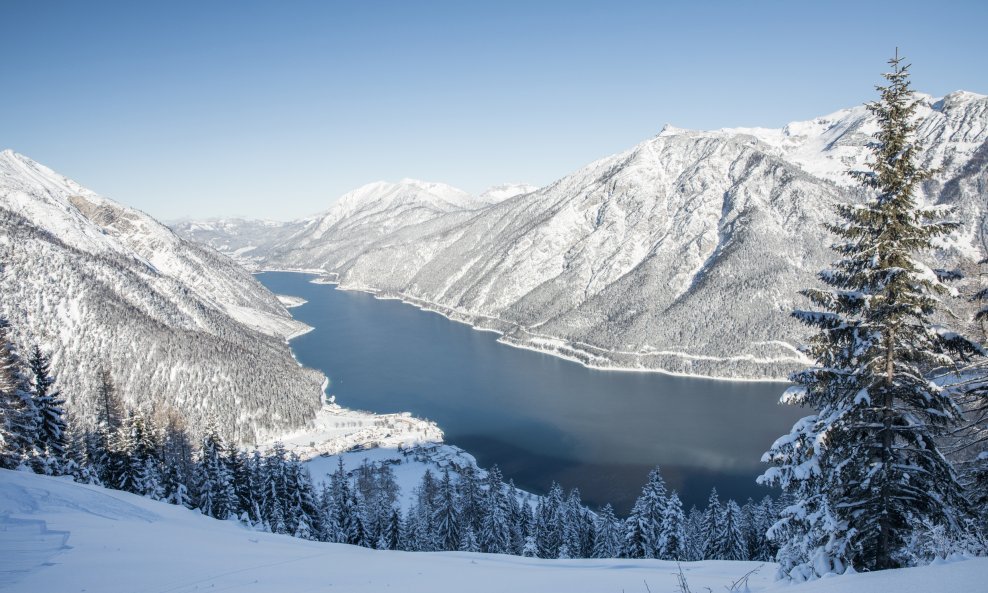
153,455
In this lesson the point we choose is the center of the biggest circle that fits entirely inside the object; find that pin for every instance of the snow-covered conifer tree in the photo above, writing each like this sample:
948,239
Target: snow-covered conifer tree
471,499
644,525
392,535
18,417
733,543
696,544
110,408
577,535
77,463
672,538
531,549
495,533
327,509
468,541
968,443
637,540
176,460
411,530
713,528
214,489
306,518
607,535
763,517
446,517
548,523
866,466
50,439
138,470
518,520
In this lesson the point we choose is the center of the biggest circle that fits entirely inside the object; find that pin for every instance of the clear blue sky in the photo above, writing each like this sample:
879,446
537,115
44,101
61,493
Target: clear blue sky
274,109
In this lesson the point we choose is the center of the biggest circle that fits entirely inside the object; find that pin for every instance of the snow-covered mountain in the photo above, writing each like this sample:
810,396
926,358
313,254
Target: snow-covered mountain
504,191
684,253
240,238
103,286
355,221
363,216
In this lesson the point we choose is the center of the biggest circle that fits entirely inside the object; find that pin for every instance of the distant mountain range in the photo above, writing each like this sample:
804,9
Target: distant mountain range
103,286
684,253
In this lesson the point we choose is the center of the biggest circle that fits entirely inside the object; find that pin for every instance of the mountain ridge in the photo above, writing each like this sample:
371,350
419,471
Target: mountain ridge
684,253
176,325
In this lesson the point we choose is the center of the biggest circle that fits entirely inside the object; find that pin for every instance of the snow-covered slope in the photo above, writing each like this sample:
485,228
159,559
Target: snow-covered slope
361,217
239,238
684,253
59,536
500,193
354,221
103,286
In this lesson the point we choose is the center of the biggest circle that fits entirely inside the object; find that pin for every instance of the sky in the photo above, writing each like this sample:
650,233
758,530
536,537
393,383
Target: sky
274,109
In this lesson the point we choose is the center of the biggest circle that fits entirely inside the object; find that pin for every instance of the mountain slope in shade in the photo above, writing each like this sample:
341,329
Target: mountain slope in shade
683,254
103,286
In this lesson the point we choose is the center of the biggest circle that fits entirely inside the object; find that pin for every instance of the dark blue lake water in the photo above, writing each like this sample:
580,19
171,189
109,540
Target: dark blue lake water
538,417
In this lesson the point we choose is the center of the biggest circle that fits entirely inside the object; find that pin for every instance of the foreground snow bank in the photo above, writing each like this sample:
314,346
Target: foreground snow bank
56,535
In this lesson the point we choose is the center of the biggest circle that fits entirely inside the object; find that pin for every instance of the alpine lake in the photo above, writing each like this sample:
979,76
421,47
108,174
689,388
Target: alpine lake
538,417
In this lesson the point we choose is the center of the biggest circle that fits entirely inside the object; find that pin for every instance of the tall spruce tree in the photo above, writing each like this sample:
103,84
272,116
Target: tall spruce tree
176,459
866,467
214,492
695,535
110,408
733,544
139,472
495,532
607,535
518,519
644,525
50,438
392,535
672,538
713,528
548,523
446,516
18,416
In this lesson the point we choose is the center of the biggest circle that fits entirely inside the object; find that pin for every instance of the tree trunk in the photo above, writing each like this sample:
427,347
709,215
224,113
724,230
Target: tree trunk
883,556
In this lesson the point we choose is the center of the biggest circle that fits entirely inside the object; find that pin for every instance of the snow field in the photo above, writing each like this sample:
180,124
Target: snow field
119,542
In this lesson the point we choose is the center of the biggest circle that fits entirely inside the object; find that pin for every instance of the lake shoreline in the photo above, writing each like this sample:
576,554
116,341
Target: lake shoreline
551,346
540,418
